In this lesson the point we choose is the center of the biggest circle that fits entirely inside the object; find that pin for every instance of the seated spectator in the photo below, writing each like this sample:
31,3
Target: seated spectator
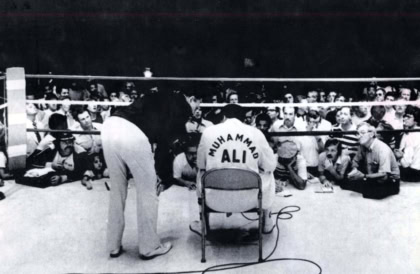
97,91
376,120
185,165
50,109
64,93
94,111
361,114
233,97
312,96
97,170
113,97
249,118
390,111
311,146
56,121
371,92
380,95
67,160
78,93
291,167
406,94
318,123
92,143
65,109
333,164
409,152
375,171
348,141
340,98
300,116
197,124
322,96
32,138
289,98
331,96
134,95
274,114
396,120
105,110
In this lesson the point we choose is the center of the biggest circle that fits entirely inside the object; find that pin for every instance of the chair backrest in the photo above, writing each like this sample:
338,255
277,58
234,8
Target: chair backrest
231,179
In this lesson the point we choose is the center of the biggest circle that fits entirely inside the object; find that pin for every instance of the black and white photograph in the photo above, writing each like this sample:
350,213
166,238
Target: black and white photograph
210,136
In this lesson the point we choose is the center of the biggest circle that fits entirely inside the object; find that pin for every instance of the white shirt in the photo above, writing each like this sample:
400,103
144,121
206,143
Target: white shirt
182,169
3,160
91,143
410,145
232,144
31,137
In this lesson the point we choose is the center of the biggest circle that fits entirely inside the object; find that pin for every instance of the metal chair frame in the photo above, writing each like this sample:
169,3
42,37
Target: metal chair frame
230,183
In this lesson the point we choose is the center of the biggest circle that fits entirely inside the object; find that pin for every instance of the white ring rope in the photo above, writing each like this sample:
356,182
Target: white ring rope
248,105
3,106
221,79
67,102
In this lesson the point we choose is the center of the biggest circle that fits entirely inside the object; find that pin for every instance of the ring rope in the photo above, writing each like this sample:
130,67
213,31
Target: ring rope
58,102
221,79
248,105
283,133
325,105
3,106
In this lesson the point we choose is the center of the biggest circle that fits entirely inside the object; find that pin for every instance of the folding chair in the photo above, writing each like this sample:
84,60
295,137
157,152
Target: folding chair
230,180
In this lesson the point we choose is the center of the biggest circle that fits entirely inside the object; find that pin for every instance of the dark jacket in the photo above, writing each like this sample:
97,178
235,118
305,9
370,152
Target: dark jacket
38,159
161,117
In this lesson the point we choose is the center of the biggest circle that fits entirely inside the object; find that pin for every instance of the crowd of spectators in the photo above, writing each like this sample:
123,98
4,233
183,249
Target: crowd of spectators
47,150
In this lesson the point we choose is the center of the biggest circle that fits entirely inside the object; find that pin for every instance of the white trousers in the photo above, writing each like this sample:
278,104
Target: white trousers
127,147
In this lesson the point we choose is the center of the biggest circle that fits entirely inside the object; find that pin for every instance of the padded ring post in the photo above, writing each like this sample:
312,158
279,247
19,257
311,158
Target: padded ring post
16,118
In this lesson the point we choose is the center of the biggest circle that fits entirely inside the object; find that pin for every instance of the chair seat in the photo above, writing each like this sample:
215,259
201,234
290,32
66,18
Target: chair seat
232,201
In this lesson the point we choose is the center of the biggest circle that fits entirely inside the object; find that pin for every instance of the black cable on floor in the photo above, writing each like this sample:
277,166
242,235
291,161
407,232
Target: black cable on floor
287,211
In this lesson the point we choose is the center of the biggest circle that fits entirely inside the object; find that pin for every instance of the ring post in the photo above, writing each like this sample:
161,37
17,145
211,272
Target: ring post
16,118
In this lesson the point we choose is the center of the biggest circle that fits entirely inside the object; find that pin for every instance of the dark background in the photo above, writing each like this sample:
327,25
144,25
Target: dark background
212,38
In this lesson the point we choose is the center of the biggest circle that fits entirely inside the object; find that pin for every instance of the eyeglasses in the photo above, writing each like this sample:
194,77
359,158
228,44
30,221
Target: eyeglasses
362,133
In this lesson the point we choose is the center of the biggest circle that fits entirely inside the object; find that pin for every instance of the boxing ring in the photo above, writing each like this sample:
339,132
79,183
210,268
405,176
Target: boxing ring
62,229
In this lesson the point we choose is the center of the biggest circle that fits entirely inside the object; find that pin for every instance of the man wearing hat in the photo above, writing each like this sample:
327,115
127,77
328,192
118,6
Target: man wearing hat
66,159
233,144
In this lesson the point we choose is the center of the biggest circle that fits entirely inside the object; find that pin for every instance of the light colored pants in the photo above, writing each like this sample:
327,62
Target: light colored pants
127,147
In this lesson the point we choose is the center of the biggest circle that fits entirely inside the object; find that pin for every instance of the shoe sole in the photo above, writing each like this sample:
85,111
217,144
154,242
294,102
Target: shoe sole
120,251
145,258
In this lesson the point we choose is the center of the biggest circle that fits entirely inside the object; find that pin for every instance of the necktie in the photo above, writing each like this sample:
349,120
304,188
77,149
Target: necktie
38,136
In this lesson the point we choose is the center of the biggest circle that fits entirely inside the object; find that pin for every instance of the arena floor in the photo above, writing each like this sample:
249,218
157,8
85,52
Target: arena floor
62,229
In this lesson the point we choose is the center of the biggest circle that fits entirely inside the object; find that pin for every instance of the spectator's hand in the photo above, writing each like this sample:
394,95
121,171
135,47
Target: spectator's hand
57,166
292,162
191,186
159,186
355,175
398,154
327,183
328,165
55,180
